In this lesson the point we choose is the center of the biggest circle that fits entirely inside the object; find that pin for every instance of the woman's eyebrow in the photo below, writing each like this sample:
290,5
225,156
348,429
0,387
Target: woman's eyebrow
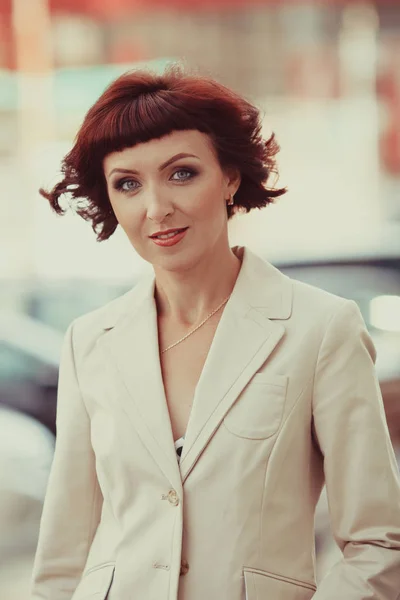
160,168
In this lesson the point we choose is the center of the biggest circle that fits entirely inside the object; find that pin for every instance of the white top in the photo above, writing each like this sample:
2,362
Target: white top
179,446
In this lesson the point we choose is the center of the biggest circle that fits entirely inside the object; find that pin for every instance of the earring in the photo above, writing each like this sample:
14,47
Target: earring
231,200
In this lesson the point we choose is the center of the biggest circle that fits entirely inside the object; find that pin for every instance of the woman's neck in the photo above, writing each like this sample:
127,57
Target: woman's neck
186,298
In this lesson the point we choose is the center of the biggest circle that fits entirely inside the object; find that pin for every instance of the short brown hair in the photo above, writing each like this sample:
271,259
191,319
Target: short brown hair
140,106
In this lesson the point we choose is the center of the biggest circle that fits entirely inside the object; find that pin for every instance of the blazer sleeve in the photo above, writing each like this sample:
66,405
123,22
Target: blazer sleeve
361,473
73,499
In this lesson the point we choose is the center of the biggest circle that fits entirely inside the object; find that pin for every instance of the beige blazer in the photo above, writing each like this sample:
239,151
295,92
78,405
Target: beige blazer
288,399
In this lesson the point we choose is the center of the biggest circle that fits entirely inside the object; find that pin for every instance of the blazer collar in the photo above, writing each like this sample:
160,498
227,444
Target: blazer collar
259,285
262,286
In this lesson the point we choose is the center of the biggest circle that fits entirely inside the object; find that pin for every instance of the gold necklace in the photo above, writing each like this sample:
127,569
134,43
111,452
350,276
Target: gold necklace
198,326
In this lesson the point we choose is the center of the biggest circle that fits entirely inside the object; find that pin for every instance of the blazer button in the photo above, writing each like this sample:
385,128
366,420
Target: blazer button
173,497
184,567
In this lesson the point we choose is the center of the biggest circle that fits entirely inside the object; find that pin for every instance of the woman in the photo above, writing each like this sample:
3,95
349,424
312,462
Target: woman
270,382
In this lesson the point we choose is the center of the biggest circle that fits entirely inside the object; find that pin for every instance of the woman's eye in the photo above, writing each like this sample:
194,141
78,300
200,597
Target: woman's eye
183,175
126,185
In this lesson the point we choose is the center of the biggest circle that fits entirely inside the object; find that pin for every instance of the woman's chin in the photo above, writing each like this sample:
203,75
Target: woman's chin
173,264
177,262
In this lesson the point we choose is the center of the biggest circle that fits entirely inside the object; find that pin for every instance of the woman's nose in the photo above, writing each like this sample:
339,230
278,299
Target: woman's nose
158,206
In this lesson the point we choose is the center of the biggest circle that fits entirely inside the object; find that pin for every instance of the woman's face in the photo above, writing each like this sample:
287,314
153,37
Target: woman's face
173,184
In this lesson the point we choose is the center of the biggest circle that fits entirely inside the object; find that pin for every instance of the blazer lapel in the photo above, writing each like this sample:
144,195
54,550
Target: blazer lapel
132,346
245,338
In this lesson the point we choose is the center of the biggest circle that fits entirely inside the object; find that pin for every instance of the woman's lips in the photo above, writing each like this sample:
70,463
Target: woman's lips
172,239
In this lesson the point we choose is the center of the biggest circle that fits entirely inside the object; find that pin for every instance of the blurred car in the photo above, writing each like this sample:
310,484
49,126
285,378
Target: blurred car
29,358
26,453
29,361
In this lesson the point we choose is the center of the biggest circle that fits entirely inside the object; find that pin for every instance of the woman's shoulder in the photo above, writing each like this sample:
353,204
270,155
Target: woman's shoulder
273,284
314,309
302,299
314,298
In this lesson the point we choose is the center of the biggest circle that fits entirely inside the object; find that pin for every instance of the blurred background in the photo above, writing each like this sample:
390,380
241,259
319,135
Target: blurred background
326,76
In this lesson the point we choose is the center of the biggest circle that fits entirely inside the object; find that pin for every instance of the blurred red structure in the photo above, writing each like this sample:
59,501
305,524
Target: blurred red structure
311,74
390,138
113,8
110,8
388,88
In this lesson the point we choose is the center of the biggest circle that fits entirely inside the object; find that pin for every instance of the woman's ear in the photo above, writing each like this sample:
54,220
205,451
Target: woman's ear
233,180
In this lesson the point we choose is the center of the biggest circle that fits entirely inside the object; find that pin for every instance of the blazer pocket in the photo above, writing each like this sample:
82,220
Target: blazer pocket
257,413
261,584
95,583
